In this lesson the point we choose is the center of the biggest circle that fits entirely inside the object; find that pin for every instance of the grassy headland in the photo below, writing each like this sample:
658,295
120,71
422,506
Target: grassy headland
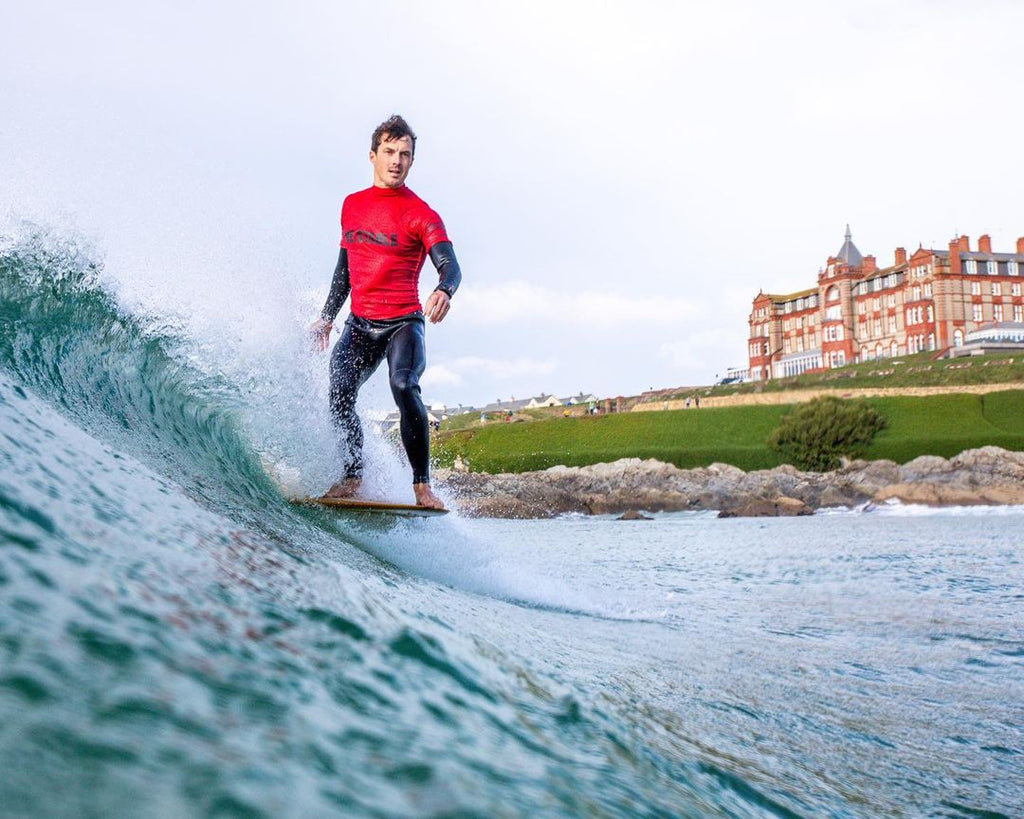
943,424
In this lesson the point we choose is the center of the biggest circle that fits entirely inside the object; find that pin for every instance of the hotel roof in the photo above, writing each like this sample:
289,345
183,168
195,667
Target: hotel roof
848,252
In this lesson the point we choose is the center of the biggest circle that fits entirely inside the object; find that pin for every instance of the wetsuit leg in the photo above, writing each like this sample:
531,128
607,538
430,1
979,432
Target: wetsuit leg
407,358
356,355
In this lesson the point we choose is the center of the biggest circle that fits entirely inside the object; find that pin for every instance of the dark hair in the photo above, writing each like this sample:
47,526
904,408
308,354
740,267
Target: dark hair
394,127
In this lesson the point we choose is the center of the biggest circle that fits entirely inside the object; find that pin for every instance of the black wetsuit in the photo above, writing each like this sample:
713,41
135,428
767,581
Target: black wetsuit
363,345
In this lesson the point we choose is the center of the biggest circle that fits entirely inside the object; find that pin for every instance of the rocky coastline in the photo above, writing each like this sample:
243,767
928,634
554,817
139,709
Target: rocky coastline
986,476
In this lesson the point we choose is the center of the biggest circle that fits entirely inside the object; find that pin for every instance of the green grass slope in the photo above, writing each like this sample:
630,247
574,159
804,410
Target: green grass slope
948,424
934,425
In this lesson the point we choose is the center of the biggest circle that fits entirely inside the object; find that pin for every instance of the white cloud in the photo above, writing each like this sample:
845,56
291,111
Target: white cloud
459,368
696,350
518,300
437,375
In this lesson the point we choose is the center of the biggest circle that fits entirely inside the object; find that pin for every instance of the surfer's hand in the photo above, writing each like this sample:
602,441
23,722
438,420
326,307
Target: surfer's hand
437,306
320,330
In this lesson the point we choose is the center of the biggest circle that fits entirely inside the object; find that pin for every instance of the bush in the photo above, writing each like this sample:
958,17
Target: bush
814,435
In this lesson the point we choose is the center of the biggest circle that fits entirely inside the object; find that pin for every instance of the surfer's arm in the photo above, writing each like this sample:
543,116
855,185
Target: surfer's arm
449,277
340,287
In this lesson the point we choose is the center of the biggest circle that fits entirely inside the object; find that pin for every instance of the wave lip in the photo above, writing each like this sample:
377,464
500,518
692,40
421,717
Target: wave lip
121,376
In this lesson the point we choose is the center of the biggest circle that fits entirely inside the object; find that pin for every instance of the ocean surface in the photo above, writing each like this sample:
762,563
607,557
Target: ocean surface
176,639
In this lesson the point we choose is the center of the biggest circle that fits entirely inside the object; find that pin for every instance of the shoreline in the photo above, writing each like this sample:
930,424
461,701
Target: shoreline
989,476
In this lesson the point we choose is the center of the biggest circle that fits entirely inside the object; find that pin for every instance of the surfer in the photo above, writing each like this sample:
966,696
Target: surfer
386,233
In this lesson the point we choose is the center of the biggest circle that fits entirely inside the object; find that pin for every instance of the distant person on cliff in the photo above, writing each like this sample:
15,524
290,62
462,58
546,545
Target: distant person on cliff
387,232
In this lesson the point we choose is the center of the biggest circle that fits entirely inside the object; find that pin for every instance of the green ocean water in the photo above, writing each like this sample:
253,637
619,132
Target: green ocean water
176,639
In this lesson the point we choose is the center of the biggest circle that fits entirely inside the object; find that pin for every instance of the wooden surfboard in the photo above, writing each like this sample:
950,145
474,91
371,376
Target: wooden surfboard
380,507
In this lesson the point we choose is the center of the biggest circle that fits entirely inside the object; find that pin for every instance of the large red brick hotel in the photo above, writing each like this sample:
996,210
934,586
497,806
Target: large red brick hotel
941,300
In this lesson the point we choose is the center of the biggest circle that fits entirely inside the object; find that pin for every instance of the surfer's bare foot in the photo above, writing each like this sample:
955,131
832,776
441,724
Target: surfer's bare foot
346,488
425,496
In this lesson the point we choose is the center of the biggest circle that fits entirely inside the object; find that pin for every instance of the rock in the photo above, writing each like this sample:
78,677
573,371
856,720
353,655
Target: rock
937,494
843,495
780,507
925,467
991,464
871,475
989,475
633,514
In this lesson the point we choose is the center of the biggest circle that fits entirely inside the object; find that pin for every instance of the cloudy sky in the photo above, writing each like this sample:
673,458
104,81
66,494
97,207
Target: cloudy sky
619,178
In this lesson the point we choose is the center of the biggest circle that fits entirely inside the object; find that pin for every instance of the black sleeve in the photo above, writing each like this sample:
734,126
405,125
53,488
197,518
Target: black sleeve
448,273
339,288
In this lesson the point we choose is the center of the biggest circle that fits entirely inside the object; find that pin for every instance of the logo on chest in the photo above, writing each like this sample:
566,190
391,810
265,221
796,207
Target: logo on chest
367,237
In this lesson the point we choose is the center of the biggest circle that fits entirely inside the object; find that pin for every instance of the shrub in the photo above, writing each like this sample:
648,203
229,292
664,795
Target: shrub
814,435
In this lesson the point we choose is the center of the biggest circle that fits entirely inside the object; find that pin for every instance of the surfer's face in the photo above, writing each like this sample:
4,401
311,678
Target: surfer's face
391,162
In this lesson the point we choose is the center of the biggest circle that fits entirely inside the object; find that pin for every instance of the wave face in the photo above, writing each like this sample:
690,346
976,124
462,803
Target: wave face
178,640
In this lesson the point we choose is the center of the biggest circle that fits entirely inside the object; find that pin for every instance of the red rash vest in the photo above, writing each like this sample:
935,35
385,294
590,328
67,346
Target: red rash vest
387,233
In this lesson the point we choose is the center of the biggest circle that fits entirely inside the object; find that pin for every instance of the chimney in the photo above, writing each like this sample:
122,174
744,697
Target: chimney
901,255
868,264
965,244
1020,246
954,258
985,244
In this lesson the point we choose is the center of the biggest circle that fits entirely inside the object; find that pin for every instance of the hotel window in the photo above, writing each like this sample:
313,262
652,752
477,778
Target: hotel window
890,300
799,344
1015,289
997,312
785,346
878,327
997,289
931,314
1011,268
931,341
975,288
916,294
928,290
894,349
970,268
1018,312
892,324
876,304
977,313
993,268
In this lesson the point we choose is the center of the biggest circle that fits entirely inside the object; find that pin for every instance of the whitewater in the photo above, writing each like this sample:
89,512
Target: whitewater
176,639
